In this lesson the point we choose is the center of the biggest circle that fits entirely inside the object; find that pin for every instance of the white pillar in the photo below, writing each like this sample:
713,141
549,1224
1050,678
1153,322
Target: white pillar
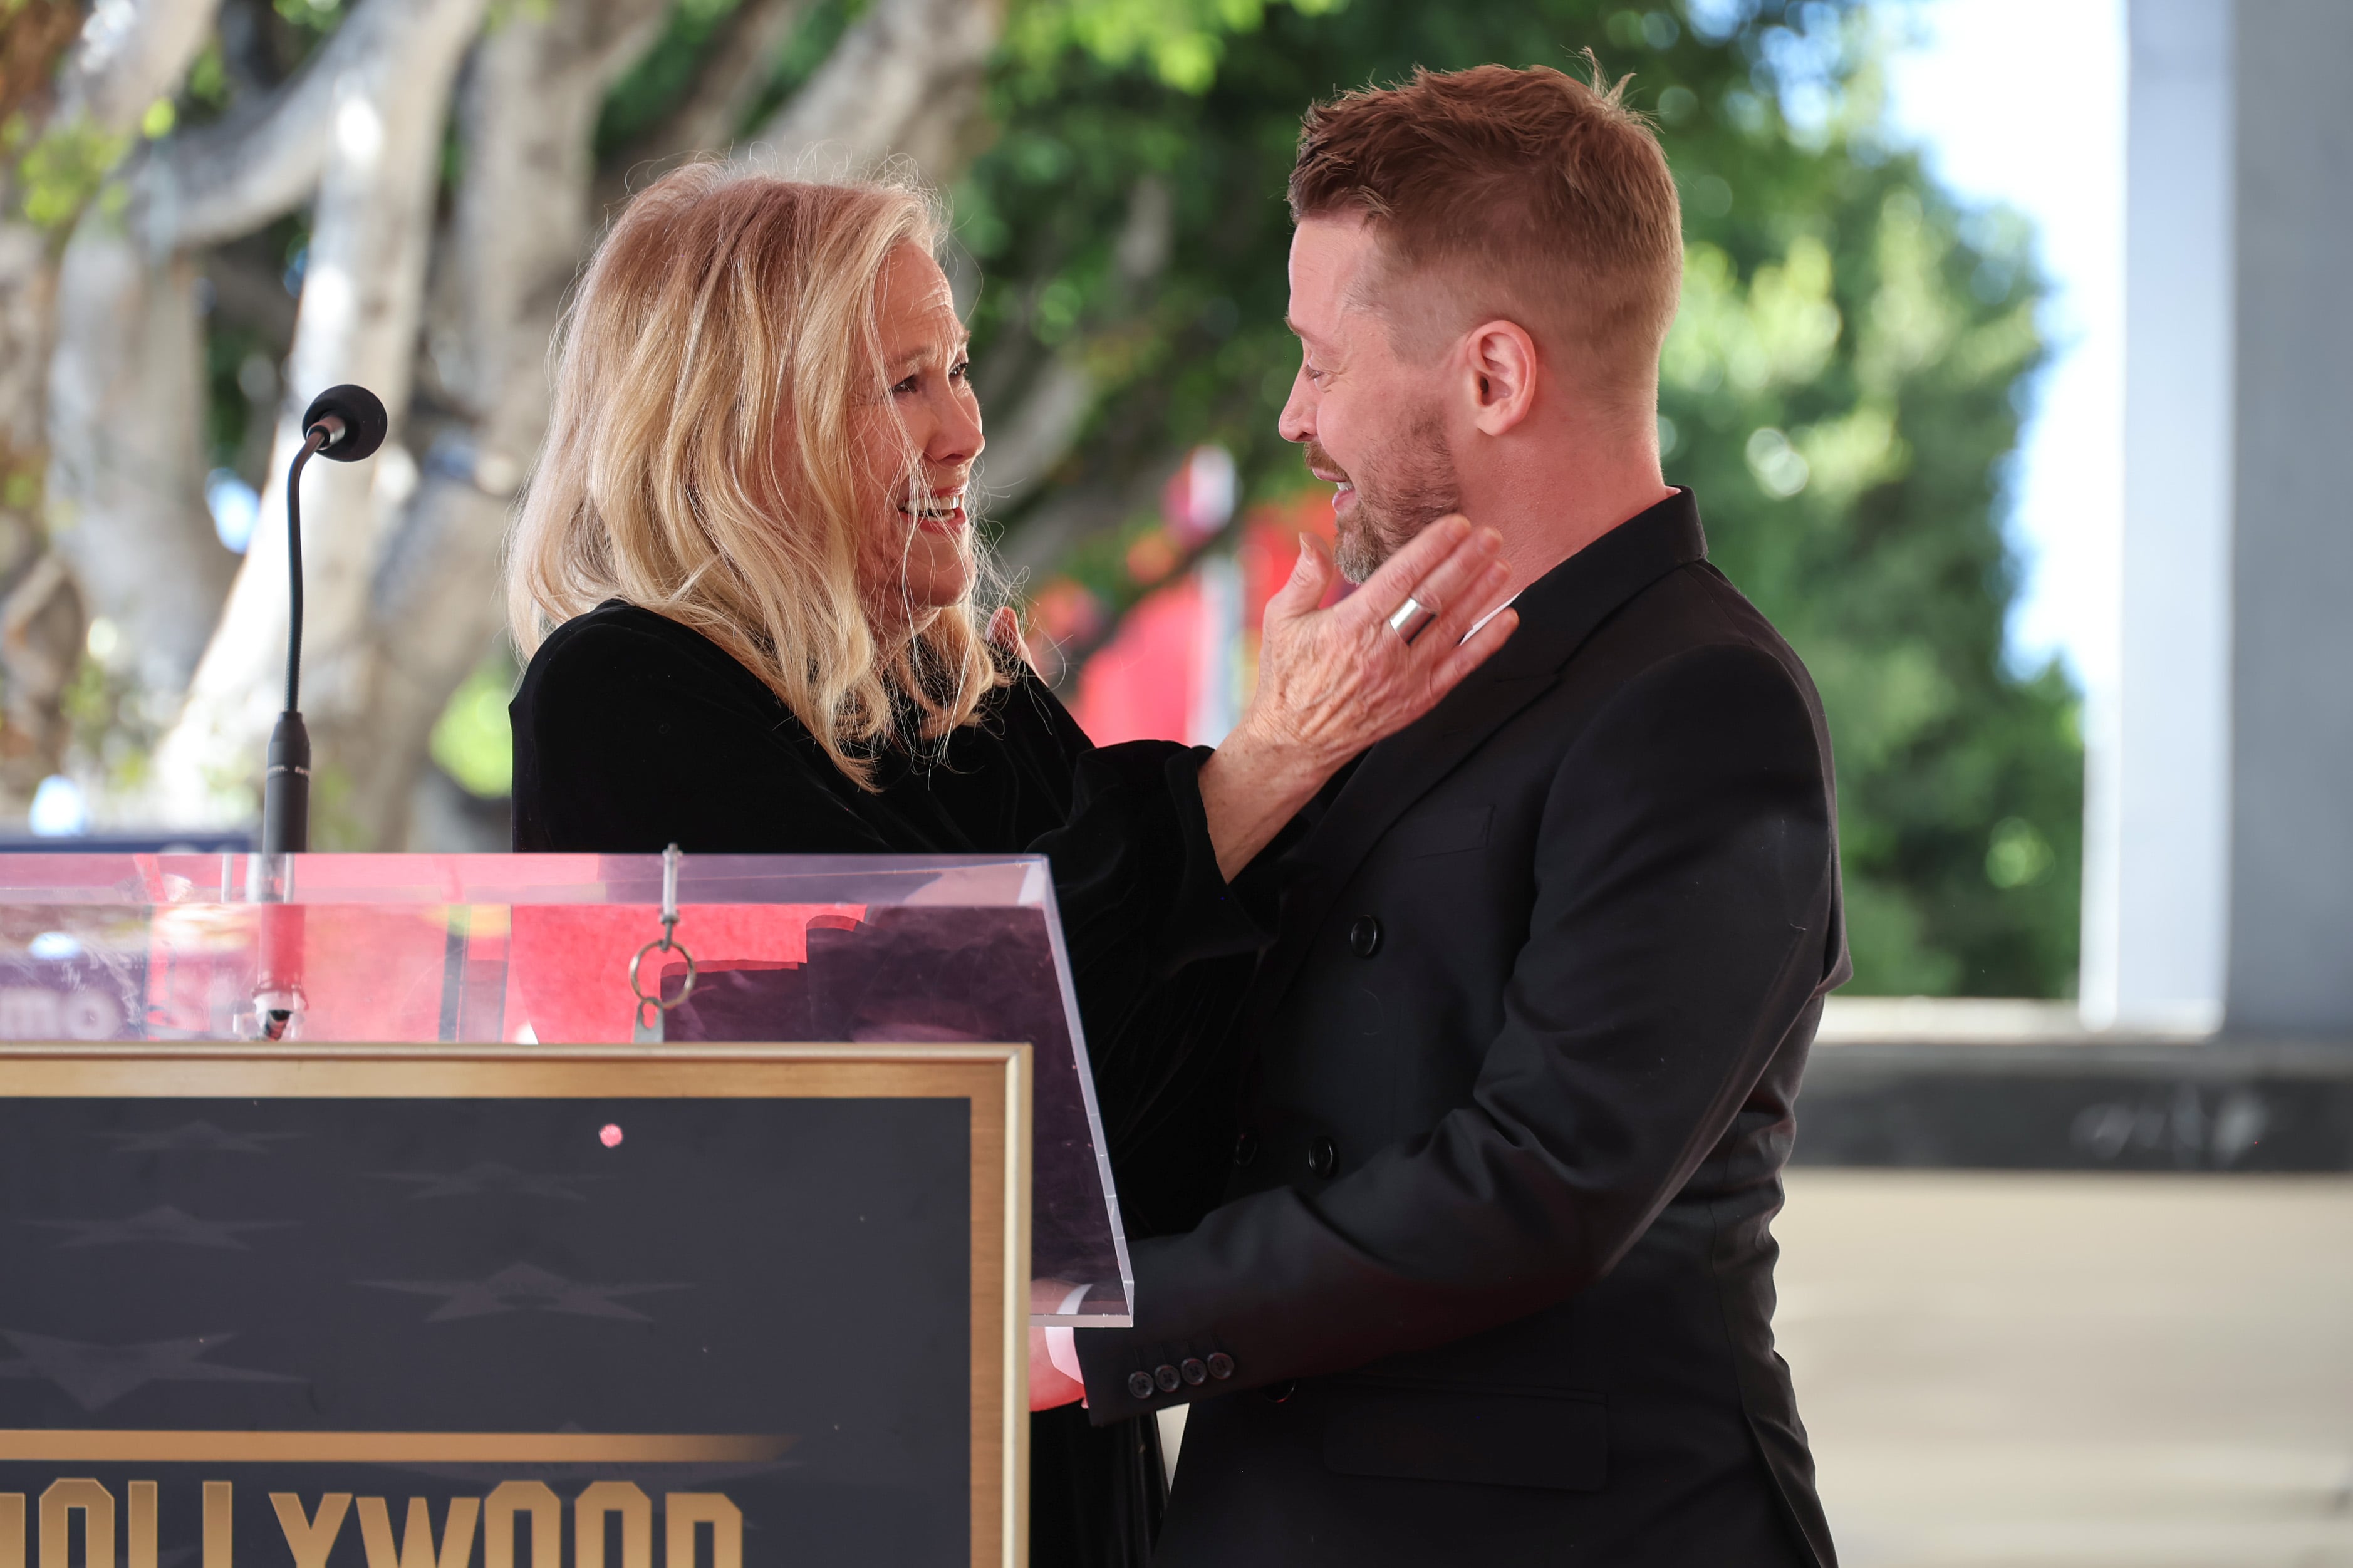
2157,806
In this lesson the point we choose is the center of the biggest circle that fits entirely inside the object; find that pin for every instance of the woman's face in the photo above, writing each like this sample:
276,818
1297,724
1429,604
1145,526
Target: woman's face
917,546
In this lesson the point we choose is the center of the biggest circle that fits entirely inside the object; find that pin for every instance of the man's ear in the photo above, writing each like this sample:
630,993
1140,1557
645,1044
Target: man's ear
1503,365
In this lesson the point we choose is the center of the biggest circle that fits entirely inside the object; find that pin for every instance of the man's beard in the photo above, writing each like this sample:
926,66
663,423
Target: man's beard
1397,496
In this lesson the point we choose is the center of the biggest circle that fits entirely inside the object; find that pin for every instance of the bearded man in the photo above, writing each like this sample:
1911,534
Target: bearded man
1490,1278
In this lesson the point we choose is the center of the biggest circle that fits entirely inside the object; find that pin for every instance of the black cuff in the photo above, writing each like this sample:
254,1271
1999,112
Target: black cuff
1127,1376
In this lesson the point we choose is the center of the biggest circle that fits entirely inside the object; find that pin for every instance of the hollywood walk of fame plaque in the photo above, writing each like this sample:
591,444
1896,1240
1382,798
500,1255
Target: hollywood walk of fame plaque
428,1306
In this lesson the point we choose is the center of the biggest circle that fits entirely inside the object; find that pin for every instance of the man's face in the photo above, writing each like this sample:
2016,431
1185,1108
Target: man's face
1371,422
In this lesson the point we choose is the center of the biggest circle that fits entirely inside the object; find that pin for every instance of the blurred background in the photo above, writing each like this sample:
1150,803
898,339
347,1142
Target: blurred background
2011,374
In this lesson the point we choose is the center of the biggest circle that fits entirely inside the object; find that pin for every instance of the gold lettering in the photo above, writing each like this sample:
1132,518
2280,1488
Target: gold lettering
97,1505
508,1500
687,1509
220,1504
11,1530
139,1551
416,1534
588,1511
309,1539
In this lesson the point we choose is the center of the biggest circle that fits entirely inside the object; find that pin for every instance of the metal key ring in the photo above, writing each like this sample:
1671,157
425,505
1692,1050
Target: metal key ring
666,944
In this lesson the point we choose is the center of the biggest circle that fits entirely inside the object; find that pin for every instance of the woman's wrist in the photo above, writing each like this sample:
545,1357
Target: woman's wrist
1251,786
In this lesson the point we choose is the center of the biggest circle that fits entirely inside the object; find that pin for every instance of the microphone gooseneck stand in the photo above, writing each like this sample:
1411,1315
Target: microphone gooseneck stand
286,782
345,424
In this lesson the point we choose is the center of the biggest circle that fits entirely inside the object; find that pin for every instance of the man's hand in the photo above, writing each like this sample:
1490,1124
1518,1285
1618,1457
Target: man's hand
1332,682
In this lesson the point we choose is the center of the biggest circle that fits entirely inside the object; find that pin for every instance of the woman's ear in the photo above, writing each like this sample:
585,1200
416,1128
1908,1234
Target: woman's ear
1502,375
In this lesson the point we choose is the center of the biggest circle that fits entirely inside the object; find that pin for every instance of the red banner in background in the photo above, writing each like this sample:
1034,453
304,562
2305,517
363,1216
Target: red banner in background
1147,683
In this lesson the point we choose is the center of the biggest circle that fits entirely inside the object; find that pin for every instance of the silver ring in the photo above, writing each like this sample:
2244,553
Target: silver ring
1405,615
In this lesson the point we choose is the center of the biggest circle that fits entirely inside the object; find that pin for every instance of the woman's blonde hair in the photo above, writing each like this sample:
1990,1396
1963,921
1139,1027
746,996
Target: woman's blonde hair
700,458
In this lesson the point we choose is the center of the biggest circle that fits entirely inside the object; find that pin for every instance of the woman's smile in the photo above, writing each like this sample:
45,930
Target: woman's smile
939,511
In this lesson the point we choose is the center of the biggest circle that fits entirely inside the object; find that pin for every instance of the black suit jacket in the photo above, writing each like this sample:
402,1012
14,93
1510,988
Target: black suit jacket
1494,1280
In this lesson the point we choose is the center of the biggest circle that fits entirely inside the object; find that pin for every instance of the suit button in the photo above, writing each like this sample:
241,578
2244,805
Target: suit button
1364,937
1222,1365
1245,1147
1276,1393
1166,1377
1139,1384
1193,1371
1322,1156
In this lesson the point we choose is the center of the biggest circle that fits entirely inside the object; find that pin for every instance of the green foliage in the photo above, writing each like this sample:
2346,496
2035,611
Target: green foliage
63,170
1842,389
472,741
313,18
1180,42
662,76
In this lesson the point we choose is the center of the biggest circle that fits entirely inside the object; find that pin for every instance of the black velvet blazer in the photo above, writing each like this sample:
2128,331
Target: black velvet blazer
632,732
1492,1277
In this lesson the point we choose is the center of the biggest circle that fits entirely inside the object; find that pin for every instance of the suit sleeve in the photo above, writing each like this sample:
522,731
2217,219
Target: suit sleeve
1141,897
1683,889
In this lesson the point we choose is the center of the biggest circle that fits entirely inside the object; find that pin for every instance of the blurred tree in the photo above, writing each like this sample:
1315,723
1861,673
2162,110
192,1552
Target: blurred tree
77,96
1842,388
427,174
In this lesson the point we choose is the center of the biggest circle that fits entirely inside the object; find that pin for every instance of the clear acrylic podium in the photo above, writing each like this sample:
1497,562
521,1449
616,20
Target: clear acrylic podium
458,1255
536,948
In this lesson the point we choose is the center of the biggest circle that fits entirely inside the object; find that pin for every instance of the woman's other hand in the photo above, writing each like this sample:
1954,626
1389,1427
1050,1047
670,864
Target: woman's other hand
1332,682
1050,1383
1005,634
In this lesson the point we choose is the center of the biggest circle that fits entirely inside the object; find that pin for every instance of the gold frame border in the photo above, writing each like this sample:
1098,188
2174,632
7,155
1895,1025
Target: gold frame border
994,1078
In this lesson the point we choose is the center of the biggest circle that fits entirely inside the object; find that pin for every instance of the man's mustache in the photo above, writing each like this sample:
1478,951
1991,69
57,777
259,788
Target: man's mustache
1320,461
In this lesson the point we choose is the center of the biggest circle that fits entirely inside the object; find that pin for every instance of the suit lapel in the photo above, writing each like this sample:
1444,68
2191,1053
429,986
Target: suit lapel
1558,614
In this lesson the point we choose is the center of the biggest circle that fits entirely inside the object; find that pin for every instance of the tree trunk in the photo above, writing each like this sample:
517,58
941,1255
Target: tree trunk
1039,431
362,292
739,63
32,737
522,220
127,454
125,57
126,394
903,82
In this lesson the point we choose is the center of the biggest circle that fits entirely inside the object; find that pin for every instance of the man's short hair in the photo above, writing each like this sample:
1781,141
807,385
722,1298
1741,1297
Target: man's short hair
1526,195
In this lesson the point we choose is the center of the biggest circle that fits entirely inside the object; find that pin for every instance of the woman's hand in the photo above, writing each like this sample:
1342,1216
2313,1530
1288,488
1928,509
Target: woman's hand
1005,632
1332,682
1050,1386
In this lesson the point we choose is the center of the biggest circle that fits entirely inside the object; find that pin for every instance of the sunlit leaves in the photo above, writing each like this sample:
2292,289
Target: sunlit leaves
1842,384
1179,41
63,169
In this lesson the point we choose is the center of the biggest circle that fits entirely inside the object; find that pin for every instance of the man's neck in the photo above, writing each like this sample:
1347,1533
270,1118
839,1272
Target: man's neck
1547,513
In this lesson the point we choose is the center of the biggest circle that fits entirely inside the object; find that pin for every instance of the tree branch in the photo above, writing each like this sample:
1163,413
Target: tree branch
528,113
735,66
1045,425
131,53
362,299
214,182
901,82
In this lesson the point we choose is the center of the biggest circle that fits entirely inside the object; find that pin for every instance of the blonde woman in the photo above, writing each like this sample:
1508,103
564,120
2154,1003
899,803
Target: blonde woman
746,576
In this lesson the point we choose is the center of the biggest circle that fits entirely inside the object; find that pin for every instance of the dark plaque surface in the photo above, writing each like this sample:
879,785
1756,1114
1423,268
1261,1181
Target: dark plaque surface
605,1325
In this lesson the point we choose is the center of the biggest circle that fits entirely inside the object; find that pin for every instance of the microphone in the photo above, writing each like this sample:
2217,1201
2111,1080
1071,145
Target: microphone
344,423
